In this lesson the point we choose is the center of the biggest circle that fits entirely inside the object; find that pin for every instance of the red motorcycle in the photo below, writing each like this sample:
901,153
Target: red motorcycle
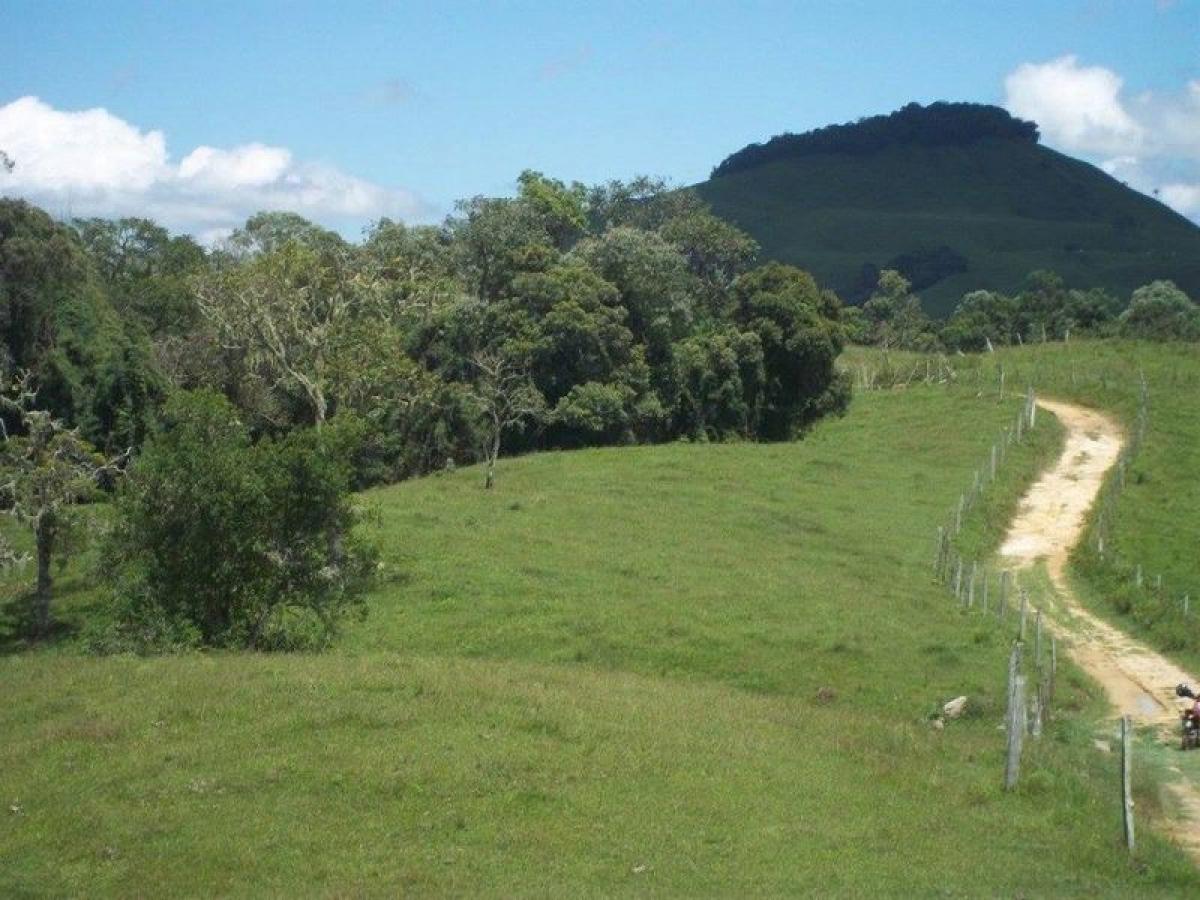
1189,719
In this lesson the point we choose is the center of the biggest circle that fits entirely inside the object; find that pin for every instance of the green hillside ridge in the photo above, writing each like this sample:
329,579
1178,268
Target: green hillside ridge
1006,206
602,677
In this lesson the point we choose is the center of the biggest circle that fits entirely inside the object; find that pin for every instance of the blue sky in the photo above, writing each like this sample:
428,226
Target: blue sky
365,108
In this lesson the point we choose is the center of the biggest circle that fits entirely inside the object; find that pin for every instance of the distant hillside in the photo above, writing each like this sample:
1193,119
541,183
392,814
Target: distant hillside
958,196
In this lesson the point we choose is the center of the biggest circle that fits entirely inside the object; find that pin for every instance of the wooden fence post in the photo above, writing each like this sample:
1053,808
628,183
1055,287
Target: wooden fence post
971,586
985,590
958,580
1014,669
1126,781
1024,608
1004,576
1016,731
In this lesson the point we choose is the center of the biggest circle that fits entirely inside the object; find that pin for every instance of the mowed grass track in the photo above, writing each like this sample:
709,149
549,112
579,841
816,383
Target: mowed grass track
600,678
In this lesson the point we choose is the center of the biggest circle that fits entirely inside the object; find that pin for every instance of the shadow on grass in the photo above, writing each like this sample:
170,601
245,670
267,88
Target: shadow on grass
18,633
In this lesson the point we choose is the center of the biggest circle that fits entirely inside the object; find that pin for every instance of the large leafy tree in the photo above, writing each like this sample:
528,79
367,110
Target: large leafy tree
222,542
1160,311
652,280
93,369
797,325
497,239
413,268
289,311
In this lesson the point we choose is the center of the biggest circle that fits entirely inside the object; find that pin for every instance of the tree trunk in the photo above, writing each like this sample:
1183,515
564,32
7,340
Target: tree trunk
41,598
320,408
491,462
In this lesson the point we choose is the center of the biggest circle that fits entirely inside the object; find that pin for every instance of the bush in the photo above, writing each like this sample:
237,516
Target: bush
223,543
1160,311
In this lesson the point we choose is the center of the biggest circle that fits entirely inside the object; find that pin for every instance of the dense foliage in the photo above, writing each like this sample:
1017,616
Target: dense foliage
564,316
938,124
561,317
224,542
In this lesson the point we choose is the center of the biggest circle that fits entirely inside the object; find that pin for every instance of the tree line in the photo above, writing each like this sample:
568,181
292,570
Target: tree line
231,397
228,400
1045,309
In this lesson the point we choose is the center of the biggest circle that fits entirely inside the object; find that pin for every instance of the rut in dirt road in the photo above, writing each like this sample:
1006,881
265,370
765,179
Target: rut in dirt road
1139,682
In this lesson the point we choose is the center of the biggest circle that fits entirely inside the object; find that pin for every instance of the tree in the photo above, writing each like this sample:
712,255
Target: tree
1090,311
652,279
47,469
1041,307
981,317
93,370
898,321
720,379
497,239
558,207
222,542
716,252
507,400
800,336
287,309
413,267
145,270
1160,311
6,162
266,232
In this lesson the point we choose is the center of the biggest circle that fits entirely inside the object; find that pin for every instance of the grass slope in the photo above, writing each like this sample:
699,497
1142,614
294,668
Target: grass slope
1008,207
1154,522
600,678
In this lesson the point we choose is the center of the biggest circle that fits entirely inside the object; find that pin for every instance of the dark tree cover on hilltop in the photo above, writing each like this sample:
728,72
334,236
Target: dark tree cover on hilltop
939,124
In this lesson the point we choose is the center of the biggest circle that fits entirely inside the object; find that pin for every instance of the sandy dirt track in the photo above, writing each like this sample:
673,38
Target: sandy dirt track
1139,682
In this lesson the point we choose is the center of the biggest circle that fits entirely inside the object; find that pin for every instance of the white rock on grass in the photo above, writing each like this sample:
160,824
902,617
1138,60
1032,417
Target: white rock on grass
955,708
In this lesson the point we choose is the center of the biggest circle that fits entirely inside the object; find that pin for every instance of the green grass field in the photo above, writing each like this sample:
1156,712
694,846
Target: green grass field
1154,522
1009,208
677,670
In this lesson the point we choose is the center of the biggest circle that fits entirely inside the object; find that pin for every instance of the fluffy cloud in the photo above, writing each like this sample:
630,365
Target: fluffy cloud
93,163
1077,107
1151,141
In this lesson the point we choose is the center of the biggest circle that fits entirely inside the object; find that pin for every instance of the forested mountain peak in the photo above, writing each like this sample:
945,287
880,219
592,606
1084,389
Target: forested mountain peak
936,125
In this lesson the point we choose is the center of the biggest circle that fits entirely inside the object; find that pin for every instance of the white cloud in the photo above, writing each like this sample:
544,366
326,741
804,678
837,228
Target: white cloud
1151,142
1183,197
1076,107
252,165
92,163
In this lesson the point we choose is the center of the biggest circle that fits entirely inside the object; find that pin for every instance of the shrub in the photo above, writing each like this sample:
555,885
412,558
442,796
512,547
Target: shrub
1160,311
224,543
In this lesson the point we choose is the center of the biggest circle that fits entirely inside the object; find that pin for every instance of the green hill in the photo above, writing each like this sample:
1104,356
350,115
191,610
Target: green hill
959,197
680,670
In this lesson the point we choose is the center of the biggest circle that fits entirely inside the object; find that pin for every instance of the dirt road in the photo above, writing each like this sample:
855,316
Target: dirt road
1139,682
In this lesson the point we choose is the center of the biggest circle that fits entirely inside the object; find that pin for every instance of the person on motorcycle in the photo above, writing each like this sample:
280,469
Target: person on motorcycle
1189,718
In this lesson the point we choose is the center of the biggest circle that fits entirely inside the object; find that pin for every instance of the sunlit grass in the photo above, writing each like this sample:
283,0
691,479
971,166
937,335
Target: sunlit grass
680,670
